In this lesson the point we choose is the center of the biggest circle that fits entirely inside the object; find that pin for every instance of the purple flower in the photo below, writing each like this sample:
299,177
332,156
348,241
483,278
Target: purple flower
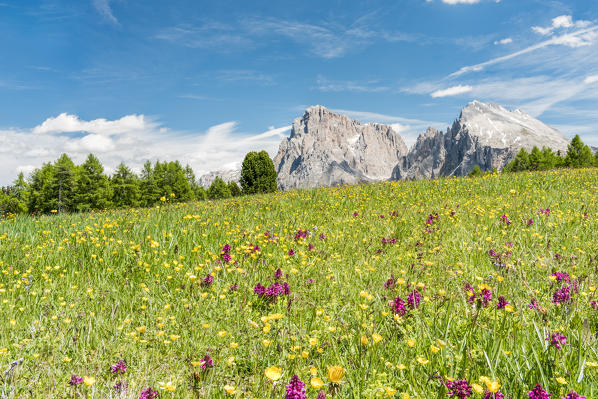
321,395
120,387
301,234
225,249
119,367
562,295
390,283
311,247
486,297
460,389
355,214
148,393
295,389
557,340
495,395
278,274
322,236
505,219
573,395
530,222
75,380
534,304
414,299
561,276
594,304
398,306
502,302
538,393
259,289
207,280
233,287
206,362
291,252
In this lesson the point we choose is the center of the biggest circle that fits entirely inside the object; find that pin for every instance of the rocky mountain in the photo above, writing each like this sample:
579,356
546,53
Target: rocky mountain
227,175
328,149
487,135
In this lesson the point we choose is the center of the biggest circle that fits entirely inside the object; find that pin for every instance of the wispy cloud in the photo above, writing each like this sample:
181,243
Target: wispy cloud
451,91
579,38
453,2
506,40
372,86
103,7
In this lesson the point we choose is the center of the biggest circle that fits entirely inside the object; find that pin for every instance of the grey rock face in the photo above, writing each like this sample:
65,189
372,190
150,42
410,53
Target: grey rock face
327,149
486,135
227,175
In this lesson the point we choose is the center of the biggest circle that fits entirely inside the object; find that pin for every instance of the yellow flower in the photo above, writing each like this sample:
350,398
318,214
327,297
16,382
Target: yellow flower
411,343
390,391
422,361
167,386
174,337
317,382
434,349
509,308
364,340
313,371
405,395
376,337
230,390
477,388
141,329
89,381
401,366
561,380
273,373
266,342
335,374
493,386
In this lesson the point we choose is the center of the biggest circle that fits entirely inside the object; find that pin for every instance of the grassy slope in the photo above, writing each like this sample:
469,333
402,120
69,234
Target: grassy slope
77,291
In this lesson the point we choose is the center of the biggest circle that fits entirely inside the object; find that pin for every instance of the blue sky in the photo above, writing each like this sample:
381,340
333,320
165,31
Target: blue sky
204,82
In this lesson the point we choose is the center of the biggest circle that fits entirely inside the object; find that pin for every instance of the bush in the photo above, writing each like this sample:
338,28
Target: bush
219,189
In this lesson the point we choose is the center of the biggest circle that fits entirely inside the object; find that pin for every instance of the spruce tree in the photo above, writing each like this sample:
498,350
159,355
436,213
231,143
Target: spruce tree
218,189
92,188
125,187
258,174
578,155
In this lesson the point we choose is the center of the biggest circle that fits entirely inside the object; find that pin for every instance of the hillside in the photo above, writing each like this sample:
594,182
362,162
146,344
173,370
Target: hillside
403,286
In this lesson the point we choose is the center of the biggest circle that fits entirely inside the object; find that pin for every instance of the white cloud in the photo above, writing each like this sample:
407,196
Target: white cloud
507,40
358,87
453,2
560,22
579,38
591,79
132,139
451,91
103,7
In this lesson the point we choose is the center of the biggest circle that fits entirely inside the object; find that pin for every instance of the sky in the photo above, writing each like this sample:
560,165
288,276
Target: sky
204,82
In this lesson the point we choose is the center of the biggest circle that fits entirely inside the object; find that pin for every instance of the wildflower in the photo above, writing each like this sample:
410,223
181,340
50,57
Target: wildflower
533,304
230,390
502,302
119,367
414,299
75,380
316,382
120,387
398,306
557,340
273,373
573,395
295,389
89,381
207,280
459,388
148,393
562,295
486,297
233,287
278,274
206,362
538,393
390,283
335,374
495,395
561,276
321,395
291,252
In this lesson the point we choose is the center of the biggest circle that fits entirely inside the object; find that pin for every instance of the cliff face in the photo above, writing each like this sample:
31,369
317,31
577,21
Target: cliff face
327,149
486,135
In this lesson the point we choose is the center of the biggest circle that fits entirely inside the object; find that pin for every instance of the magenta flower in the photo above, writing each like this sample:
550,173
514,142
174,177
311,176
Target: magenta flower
398,306
557,340
148,393
561,276
538,393
295,389
75,380
207,280
573,395
120,387
206,362
502,302
495,395
119,367
460,389
321,395
562,295
291,252
414,299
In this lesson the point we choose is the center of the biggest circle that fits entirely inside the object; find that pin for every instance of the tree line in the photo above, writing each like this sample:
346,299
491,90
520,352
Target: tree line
62,186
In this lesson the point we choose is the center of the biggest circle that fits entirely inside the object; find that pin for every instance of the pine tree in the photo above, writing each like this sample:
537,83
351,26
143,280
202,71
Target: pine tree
64,181
148,186
234,188
218,189
520,163
258,174
535,159
125,187
578,155
92,188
